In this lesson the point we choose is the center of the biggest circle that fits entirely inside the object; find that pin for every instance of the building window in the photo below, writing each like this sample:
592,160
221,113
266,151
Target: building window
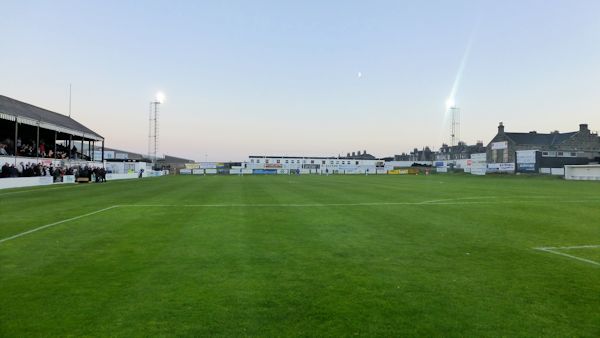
286,161
574,154
322,162
312,161
267,161
251,161
560,153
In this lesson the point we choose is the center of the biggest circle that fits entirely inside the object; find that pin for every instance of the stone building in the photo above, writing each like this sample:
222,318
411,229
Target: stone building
582,144
459,152
358,156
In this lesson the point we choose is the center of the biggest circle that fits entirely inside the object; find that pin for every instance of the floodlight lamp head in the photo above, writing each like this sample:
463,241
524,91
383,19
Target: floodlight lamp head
160,97
450,103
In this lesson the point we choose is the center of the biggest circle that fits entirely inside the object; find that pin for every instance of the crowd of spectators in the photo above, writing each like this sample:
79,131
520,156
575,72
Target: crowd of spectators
57,172
29,149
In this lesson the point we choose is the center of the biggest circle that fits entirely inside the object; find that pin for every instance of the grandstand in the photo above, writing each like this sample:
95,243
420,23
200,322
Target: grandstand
32,134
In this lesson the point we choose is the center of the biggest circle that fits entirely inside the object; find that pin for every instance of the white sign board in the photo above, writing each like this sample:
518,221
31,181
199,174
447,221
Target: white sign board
208,165
499,145
501,167
480,157
121,156
526,156
108,155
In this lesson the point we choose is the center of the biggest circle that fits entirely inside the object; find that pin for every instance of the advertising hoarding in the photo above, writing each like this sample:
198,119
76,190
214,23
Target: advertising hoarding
526,156
501,168
526,167
264,171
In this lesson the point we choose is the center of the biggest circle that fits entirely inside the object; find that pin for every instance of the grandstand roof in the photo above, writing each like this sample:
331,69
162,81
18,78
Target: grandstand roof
173,159
124,154
32,115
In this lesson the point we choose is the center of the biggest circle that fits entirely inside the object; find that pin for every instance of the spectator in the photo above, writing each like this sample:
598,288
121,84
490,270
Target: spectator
42,149
5,171
3,151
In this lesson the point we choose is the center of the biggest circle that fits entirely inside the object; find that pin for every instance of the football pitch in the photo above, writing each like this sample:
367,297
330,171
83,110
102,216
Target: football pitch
440,255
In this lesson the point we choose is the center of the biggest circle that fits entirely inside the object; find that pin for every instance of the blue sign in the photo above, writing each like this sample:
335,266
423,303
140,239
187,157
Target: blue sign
264,171
526,167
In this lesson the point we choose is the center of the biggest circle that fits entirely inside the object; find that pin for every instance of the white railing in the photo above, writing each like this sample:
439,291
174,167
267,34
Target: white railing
47,161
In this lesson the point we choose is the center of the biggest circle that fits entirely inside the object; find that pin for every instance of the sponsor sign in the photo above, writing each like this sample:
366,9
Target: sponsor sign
499,145
185,171
440,164
480,157
501,167
526,156
526,167
207,165
441,169
121,156
313,166
480,171
192,165
273,165
264,171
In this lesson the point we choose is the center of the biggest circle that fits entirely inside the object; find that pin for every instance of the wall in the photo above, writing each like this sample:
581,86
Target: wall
20,182
582,172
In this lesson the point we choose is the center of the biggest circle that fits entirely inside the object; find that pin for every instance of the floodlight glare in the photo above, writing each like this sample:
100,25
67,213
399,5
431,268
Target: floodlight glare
160,97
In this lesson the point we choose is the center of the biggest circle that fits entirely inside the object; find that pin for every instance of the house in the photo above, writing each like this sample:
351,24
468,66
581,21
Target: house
582,145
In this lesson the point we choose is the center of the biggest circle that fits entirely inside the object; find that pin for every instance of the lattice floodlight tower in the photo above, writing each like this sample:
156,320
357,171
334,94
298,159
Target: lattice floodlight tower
455,126
153,127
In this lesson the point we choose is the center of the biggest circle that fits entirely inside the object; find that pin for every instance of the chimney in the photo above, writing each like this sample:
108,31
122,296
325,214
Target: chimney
501,128
364,152
353,154
583,127
348,155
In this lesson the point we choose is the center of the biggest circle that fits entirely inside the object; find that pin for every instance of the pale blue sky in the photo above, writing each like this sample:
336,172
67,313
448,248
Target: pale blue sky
280,77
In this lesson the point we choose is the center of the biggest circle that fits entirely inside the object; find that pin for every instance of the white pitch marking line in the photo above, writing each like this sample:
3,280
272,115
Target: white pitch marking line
56,223
320,205
457,199
569,247
550,250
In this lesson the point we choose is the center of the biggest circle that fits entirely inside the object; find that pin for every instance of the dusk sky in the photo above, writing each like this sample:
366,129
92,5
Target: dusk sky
304,77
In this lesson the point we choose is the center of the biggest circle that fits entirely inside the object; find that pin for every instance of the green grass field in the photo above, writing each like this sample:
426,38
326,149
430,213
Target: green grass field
302,256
